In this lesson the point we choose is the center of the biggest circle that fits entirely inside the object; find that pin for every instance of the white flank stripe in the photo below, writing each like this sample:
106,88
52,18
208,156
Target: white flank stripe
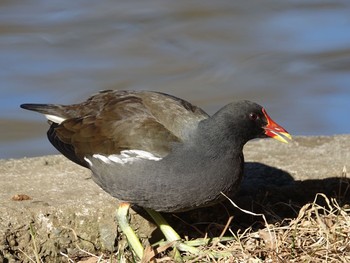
88,161
103,158
126,156
143,155
55,119
116,159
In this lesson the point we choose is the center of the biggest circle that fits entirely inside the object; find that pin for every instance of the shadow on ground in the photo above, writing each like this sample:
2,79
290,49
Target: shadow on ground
266,190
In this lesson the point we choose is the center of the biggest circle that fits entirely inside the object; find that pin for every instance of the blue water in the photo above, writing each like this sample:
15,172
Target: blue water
293,57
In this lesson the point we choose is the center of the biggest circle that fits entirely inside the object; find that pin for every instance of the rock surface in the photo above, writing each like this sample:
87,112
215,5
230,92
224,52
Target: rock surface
50,207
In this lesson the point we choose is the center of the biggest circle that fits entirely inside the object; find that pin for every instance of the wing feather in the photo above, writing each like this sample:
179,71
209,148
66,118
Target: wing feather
112,121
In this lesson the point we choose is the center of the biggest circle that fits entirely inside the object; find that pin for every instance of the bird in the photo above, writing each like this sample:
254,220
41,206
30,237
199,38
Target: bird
157,151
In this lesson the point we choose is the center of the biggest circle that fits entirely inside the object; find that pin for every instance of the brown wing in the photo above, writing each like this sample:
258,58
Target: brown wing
112,121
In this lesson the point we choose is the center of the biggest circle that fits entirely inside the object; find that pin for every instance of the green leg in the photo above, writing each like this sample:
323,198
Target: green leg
122,218
169,232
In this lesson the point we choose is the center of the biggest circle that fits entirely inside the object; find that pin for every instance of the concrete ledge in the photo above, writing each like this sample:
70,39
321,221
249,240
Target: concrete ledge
66,209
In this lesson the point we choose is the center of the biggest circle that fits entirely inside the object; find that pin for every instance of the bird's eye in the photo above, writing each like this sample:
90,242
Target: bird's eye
253,116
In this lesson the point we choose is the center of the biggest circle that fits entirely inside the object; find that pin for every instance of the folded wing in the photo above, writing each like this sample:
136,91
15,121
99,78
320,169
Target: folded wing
112,121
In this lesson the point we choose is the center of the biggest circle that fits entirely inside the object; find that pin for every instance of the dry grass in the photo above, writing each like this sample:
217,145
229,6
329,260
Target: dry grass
320,233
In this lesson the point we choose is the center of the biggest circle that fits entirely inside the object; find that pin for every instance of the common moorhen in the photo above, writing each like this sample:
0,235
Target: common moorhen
157,151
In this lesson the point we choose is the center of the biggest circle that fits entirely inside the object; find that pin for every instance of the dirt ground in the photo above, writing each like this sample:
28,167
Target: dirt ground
50,207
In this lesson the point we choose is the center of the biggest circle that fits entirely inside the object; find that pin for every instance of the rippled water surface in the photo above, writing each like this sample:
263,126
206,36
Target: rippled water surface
293,57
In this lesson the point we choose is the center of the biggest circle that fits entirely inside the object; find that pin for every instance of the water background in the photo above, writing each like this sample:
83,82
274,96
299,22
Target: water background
292,56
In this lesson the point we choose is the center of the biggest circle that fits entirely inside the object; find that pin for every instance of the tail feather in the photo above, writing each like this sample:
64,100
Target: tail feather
41,108
52,112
